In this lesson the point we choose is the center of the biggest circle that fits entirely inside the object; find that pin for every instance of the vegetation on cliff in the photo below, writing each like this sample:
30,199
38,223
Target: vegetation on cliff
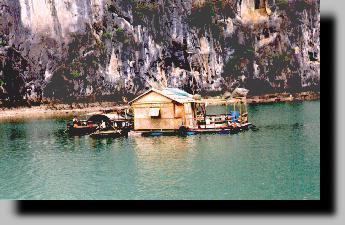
107,49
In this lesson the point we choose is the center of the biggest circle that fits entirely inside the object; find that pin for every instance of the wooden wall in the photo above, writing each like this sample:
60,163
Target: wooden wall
171,113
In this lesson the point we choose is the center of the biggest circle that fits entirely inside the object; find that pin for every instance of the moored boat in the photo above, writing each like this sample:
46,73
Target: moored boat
80,130
99,122
85,127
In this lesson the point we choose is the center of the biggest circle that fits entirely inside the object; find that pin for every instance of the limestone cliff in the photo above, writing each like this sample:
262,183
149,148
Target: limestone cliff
70,49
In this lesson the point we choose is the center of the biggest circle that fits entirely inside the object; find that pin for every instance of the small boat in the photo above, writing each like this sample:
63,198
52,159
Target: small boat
221,130
92,124
110,129
81,128
84,127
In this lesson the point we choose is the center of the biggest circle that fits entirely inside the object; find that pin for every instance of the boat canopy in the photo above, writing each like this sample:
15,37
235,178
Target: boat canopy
99,118
116,116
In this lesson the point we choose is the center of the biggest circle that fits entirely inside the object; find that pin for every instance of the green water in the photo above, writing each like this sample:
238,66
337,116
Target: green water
279,161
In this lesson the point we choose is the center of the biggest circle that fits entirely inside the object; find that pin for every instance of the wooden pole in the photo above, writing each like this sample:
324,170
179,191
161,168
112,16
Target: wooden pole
241,111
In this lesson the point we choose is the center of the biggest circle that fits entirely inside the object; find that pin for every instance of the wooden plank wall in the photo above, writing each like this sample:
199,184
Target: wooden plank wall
171,113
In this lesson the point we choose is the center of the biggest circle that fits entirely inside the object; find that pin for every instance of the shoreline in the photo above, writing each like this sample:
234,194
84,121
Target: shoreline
270,98
65,111
56,111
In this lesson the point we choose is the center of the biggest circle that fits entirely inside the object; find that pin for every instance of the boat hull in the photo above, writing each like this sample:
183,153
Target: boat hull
80,131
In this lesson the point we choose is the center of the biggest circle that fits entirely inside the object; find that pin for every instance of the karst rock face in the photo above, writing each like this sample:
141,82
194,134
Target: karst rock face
65,49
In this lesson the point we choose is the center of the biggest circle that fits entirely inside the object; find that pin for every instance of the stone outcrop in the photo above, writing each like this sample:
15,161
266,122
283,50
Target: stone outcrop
72,49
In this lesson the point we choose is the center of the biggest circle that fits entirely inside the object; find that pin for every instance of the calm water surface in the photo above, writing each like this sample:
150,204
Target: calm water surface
279,161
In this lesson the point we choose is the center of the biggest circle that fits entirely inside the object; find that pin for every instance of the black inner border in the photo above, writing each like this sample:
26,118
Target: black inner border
326,204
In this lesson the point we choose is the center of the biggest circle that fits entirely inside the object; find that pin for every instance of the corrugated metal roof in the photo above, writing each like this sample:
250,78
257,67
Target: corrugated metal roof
174,94
177,95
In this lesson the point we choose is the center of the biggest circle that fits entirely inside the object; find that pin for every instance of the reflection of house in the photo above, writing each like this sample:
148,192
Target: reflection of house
166,109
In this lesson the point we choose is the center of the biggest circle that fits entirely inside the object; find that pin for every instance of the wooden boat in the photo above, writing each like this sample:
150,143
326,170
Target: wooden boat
85,127
92,124
112,128
82,128
224,130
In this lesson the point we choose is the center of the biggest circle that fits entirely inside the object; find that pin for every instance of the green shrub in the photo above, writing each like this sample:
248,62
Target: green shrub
75,74
204,17
142,10
107,35
120,31
282,3
94,62
121,36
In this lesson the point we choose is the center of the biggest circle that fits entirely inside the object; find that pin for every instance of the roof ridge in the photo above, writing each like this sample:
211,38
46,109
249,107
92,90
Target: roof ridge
181,96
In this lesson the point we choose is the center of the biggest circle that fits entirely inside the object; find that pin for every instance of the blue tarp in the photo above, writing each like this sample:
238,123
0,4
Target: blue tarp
234,116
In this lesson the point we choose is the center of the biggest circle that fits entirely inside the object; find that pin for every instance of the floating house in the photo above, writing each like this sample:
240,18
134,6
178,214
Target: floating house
171,109
166,109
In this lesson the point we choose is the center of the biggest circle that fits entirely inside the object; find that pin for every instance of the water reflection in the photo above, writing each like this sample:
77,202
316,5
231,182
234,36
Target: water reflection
160,163
152,148
16,133
279,161
96,143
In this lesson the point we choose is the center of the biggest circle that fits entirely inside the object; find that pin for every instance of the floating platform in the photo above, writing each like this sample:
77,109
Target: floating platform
192,131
